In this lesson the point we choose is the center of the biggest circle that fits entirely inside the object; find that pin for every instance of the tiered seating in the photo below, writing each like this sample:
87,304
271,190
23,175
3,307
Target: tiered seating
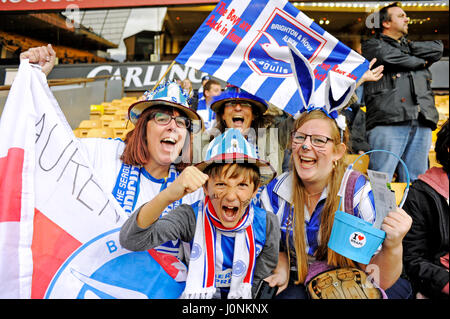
361,165
441,102
67,55
108,120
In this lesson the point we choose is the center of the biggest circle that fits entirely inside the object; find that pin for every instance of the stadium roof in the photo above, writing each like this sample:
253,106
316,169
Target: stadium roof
108,24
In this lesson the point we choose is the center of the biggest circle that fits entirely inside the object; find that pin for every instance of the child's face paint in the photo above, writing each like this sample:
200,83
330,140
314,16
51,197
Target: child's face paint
230,198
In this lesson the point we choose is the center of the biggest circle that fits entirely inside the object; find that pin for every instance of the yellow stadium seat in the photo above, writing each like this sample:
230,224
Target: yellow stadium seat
90,124
107,118
432,159
131,99
111,110
79,132
121,133
97,108
361,165
399,189
101,132
116,102
121,124
122,114
121,128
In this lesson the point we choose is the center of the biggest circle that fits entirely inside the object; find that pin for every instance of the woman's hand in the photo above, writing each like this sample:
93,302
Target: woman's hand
45,56
396,225
372,75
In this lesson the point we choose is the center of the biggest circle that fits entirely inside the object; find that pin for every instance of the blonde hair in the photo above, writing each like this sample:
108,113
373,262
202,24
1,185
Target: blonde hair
330,207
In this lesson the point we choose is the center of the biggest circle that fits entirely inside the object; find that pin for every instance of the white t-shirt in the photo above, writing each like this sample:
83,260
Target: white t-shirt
104,156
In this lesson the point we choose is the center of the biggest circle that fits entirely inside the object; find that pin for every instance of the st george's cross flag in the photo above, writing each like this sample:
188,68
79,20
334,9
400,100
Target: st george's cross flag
59,229
245,43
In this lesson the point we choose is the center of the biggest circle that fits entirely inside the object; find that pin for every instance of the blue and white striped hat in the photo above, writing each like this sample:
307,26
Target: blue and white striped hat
232,147
168,93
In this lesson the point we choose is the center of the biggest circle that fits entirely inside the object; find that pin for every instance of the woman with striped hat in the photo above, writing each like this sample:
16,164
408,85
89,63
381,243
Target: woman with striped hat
149,158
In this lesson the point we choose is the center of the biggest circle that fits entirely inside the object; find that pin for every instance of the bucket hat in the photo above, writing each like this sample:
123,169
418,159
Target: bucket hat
168,93
232,147
232,93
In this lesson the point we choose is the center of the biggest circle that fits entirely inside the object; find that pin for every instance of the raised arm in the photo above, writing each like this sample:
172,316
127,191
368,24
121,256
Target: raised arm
45,56
189,181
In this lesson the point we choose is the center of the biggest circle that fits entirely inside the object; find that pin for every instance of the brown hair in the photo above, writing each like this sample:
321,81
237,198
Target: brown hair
209,83
330,207
233,170
136,149
384,15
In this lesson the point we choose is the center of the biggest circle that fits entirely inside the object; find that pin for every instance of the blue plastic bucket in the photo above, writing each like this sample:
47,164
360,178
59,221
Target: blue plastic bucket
354,238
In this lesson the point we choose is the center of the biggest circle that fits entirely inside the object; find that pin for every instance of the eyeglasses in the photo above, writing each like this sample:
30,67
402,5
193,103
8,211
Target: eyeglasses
241,103
164,119
316,140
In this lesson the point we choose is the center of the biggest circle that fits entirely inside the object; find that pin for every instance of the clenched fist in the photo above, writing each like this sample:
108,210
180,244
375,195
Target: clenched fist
45,56
187,182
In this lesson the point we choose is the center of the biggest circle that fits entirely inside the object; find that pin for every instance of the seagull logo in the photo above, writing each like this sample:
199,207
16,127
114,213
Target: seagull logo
102,269
112,291
274,50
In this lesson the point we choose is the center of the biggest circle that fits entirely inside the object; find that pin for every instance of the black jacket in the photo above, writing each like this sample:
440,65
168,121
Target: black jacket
427,240
404,91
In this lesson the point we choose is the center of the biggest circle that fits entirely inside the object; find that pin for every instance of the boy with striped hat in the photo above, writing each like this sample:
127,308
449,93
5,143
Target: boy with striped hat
233,244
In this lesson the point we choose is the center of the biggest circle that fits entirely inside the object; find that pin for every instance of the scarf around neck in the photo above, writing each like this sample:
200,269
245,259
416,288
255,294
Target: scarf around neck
201,278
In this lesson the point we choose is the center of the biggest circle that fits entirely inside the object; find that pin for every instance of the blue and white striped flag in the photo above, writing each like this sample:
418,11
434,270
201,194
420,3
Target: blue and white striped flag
245,43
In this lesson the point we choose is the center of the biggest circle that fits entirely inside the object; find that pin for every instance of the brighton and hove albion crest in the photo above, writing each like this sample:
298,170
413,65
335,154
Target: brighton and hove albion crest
268,53
102,269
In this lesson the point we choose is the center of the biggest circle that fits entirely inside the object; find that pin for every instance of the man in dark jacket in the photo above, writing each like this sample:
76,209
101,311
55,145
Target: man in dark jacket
400,107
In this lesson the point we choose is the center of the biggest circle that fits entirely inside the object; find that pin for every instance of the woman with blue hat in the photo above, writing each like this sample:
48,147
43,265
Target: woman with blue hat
236,108
142,165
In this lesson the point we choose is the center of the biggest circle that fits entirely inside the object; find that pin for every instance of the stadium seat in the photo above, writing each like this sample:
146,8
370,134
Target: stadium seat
107,118
121,128
101,132
122,114
361,165
90,124
432,159
96,111
78,132
110,110
399,189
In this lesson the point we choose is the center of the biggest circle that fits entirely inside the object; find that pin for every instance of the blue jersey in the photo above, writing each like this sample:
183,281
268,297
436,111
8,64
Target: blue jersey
277,198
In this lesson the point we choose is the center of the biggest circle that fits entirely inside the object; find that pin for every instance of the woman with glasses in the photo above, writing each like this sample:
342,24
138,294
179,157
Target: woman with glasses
142,165
305,200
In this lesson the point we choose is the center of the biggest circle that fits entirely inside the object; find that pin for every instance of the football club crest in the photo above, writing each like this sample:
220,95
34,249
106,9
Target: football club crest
268,53
102,269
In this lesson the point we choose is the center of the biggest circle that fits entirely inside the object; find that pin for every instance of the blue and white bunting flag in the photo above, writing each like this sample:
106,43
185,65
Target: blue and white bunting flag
245,43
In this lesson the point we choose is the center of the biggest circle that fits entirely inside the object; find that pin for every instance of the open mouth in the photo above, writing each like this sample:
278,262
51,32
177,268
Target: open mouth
307,161
230,212
238,119
169,140
168,144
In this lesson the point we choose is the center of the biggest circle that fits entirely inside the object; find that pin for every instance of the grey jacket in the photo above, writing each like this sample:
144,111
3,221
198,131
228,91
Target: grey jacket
404,92
180,223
